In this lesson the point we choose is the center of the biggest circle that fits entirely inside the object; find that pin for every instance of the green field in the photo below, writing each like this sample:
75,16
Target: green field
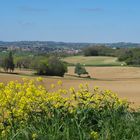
93,60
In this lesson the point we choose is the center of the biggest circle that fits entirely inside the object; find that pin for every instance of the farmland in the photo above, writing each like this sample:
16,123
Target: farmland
96,106
122,80
69,70
62,107
93,60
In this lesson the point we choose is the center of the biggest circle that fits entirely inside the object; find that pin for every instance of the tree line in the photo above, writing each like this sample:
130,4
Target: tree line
46,65
129,55
51,66
99,51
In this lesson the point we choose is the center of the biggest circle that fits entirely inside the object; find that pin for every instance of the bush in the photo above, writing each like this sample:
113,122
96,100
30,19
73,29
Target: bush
79,69
56,67
53,67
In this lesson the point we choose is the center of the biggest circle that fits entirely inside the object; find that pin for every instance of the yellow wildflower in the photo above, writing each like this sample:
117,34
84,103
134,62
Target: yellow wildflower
52,86
39,79
94,135
34,136
59,83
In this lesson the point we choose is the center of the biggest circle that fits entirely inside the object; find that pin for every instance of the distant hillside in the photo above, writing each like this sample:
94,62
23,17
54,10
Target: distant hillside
49,44
52,44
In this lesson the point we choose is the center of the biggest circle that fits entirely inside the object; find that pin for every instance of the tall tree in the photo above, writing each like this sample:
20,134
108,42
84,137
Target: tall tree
8,63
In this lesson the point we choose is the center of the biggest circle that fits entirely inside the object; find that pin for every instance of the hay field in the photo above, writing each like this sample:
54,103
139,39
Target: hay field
125,81
93,60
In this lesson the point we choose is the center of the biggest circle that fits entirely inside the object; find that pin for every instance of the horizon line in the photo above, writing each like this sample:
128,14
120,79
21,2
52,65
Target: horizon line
68,41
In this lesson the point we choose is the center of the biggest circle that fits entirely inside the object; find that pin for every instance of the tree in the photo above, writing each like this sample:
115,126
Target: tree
79,69
56,67
8,63
41,68
53,67
23,62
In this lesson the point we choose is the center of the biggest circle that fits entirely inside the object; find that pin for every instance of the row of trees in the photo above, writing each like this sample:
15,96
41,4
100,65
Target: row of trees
51,66
99,51
131,56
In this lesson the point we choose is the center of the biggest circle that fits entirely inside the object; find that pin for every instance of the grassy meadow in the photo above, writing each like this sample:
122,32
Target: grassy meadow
93,60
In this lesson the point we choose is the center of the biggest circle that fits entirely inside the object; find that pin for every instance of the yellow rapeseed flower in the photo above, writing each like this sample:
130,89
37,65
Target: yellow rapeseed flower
94,135
52,86
59,83
39,79
34,136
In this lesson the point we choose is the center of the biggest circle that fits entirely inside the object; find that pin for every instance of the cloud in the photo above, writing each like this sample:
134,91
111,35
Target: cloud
32,9
92,9
25,23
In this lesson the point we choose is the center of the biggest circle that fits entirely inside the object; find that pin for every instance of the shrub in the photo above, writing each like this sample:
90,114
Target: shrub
56,67
79,69
53,67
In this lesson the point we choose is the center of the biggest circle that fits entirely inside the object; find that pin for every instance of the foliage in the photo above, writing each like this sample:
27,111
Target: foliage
53,67
41,68
23,62
29,111
99,51
79,69
130,56
8,63
29,61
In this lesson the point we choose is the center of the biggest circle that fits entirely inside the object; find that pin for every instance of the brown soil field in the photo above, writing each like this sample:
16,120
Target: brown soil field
125,81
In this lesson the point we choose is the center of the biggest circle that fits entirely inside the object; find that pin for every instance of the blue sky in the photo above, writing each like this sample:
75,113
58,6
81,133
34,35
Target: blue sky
70,20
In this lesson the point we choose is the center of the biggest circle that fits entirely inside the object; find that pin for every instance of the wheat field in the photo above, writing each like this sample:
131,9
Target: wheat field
125,81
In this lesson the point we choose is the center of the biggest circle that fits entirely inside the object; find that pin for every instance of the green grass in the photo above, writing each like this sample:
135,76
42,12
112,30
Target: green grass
93,60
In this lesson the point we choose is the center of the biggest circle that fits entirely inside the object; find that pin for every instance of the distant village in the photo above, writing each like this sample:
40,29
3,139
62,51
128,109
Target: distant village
38,48
57,47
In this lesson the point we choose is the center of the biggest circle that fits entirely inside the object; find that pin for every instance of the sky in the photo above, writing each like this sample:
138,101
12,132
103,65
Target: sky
96,21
